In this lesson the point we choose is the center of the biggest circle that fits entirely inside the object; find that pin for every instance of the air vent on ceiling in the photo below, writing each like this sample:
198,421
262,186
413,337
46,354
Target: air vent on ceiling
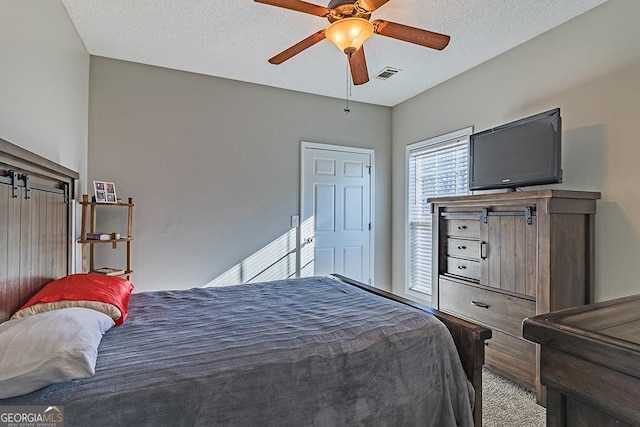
386,73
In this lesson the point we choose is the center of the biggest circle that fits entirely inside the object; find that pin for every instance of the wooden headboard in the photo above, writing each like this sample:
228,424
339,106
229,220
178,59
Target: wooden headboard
36,213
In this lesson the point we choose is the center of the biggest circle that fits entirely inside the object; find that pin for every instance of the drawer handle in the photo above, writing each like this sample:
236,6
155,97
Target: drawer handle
480,304
462,227
462,267
462,248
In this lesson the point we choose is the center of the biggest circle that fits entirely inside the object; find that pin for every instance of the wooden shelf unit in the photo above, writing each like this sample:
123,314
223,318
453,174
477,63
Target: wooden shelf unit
89,222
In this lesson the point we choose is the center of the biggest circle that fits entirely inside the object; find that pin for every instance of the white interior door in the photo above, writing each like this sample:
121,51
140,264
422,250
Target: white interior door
336,209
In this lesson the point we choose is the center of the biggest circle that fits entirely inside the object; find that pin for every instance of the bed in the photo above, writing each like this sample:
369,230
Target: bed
312,351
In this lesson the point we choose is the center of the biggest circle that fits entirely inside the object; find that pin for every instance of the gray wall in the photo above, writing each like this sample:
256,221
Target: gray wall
590,68
214,165
44,82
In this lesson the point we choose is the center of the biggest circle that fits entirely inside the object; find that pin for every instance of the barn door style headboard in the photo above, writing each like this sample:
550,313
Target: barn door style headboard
36,211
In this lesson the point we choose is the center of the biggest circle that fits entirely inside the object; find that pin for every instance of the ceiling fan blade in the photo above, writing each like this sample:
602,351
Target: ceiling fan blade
411,34
297,48
371,5
297,5
358,65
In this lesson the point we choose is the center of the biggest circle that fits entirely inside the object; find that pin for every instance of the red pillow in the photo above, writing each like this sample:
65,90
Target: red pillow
87,287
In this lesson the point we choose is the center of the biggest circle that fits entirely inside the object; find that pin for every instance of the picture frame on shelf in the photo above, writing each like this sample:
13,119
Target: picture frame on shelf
104,192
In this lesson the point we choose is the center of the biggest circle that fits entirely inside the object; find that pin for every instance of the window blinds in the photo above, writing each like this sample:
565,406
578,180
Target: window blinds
435,170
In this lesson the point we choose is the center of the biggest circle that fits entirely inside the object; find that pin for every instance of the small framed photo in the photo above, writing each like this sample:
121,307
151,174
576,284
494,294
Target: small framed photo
105,192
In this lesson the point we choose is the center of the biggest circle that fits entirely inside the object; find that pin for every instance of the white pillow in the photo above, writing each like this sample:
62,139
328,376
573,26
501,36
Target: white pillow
50,347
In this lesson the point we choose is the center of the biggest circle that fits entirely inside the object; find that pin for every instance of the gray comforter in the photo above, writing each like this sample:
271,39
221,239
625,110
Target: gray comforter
307,352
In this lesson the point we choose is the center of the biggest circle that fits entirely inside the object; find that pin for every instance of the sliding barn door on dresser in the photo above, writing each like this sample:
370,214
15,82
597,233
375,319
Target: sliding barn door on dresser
500,258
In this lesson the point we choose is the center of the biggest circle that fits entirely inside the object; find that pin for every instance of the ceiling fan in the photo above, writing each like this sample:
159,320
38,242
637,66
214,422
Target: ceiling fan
350,27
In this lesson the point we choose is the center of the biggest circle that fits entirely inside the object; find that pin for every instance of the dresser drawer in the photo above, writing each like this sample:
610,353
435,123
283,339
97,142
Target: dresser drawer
463,248
496,310
463,228
463,267
514,357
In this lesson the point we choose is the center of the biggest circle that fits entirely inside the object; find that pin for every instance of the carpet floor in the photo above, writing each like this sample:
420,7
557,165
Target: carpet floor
507,404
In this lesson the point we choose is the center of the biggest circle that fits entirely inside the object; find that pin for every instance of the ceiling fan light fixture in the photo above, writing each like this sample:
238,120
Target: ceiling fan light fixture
349,33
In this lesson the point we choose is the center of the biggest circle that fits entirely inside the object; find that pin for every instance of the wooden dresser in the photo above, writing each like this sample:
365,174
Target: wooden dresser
502,257
590,363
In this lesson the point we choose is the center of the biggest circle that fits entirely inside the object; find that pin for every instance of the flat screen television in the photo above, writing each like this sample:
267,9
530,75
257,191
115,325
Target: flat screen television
517,154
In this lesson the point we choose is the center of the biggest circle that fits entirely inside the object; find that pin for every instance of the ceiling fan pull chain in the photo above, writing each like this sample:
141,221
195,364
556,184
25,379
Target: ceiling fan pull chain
347,109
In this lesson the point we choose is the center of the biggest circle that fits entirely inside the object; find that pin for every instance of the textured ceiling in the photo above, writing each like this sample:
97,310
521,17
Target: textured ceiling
235,38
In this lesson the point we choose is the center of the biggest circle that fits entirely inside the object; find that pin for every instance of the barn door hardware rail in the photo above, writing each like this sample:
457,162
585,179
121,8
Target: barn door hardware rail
529,212
19,180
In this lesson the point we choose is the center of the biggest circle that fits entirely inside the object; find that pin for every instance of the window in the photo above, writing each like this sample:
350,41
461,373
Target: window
436,167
